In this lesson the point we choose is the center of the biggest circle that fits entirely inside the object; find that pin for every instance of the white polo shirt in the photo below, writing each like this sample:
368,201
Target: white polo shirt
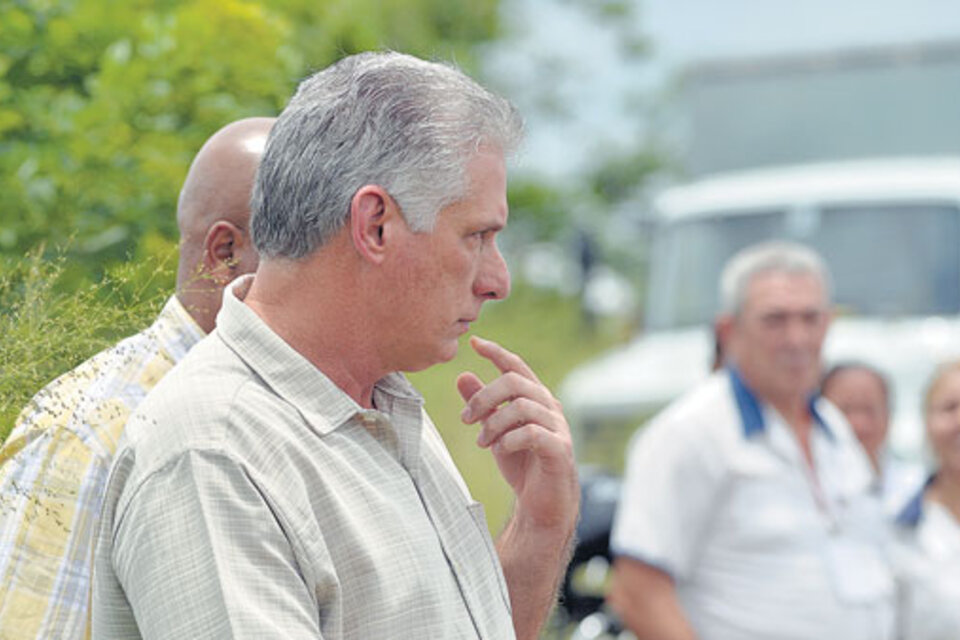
718,495
929,564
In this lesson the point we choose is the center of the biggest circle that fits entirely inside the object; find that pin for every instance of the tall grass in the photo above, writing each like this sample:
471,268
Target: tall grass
46,330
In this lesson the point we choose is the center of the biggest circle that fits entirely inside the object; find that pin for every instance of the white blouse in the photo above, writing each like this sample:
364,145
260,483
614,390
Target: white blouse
930,569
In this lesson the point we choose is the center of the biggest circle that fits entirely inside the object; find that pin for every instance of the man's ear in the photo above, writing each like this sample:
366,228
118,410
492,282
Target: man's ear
373,213
221,247
723,332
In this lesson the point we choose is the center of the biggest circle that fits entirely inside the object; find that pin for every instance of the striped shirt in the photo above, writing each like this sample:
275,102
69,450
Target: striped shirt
273,506
53,471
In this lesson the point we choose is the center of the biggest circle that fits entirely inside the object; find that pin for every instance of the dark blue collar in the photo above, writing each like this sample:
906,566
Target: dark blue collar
751,411
911,513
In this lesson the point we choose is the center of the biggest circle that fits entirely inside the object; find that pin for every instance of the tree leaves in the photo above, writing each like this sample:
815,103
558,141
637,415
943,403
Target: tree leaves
102,105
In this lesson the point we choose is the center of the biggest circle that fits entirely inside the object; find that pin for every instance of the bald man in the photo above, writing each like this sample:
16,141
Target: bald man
54,465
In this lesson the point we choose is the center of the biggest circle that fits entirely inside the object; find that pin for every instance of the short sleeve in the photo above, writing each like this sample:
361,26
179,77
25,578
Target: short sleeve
672,483
201,553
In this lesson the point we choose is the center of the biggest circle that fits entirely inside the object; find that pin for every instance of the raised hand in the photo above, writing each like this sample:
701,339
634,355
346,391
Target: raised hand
524,426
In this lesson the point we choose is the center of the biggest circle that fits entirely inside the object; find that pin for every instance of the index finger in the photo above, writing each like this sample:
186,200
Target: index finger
501,358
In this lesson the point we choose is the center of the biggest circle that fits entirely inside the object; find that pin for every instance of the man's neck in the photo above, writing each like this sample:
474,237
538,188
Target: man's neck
794,408
798,418
202,305
795,411
288,299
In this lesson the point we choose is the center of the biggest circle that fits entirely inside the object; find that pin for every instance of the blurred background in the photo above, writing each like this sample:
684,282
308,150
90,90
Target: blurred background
102,106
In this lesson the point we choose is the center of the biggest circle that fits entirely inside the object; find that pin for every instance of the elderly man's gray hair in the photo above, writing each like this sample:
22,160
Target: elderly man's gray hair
389,119
768,257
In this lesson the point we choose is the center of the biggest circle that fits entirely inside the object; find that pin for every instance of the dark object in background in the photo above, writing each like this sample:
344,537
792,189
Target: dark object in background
582,594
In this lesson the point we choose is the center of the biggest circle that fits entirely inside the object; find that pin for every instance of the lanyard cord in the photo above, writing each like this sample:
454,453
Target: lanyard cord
820,498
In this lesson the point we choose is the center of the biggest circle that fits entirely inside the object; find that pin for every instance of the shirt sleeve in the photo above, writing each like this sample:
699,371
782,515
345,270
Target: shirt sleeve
49,502
671,485
200,553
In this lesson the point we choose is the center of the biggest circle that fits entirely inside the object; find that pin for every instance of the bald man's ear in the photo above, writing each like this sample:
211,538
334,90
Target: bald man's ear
222,248
373,217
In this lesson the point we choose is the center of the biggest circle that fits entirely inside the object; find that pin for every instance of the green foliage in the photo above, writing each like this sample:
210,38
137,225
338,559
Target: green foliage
619,176
103,104
538,210
44,332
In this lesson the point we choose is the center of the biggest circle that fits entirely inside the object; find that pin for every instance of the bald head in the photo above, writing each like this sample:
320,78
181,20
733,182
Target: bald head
213,215
221,177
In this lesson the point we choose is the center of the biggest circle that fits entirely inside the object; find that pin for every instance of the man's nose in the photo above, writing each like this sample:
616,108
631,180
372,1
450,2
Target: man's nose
493,280
800,331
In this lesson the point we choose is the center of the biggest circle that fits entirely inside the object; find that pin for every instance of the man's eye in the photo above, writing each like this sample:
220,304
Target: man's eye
949,407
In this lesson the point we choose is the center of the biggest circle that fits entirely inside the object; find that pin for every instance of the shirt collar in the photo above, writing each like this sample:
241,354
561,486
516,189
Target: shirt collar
291,376
175,329
911,513
751,409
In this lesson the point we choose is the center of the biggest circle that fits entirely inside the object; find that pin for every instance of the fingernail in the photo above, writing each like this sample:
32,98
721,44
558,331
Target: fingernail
466,415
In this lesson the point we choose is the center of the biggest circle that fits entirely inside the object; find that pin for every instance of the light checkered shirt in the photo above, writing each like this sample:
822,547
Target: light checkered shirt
53,470
268,504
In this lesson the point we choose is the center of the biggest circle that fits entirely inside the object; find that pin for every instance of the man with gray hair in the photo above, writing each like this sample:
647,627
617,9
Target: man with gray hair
746,511
298,488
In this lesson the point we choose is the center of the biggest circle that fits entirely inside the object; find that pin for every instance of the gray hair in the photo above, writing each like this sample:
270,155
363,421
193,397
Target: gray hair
389,119
768,257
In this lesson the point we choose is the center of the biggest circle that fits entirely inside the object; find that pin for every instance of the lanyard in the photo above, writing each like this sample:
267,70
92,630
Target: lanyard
827,510
788,448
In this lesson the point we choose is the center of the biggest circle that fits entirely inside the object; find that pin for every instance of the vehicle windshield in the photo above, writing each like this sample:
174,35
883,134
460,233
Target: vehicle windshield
885,260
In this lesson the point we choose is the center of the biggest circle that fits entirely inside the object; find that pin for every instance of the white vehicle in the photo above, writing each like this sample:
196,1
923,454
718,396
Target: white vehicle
890,233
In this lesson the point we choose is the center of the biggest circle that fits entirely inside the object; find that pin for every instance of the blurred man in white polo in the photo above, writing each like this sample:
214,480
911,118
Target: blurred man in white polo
746,511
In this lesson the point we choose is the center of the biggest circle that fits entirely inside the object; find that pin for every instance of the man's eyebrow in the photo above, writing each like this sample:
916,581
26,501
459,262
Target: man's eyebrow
489,226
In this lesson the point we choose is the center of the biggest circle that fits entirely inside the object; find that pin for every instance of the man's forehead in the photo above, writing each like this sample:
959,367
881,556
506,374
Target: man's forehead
788,282
786,290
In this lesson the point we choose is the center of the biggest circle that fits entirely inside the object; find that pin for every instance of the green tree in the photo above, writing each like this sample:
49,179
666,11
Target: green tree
103,104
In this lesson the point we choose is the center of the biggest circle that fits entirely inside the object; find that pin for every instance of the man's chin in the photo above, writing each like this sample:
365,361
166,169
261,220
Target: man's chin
446,354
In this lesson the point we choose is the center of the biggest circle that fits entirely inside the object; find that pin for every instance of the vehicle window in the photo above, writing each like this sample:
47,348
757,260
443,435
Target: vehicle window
886,260
893,261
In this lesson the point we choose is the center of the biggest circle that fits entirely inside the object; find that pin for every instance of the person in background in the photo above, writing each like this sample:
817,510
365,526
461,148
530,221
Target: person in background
862,394
929,526
746,509
285,481
54,464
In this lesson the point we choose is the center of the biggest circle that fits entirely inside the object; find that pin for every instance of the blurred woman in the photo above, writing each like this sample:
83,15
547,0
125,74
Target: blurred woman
862,392
930,523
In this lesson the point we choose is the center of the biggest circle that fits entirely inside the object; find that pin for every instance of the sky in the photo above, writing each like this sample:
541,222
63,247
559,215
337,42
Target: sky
582,96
